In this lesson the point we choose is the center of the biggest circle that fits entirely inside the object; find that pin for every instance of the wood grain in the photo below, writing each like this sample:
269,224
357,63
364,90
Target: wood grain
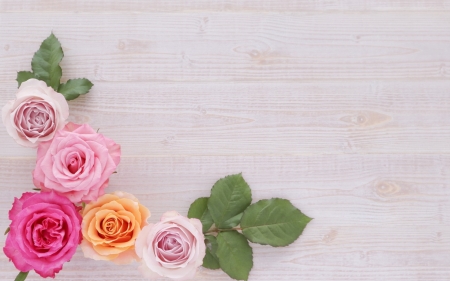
341,106
136,6
375,216
263,119
213,46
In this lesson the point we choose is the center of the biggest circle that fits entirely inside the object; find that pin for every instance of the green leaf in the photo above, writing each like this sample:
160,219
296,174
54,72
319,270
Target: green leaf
73,88
230,196
7,230
45,63
275,222
23,76
199,210
234,221
211,260
21,276
235,254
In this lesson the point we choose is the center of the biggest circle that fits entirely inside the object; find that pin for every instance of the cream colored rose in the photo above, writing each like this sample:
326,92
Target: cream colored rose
110,227
36,113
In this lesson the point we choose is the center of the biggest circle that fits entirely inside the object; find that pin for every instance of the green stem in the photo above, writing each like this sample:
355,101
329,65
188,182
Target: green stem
21,276
217,230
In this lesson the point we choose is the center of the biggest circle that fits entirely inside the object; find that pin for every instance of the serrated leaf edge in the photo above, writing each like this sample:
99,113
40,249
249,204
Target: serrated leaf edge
227,209
250,258
281,246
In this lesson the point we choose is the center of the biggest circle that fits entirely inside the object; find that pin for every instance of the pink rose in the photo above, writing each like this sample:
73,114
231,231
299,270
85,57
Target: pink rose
36,113
44,233
77,163
173,247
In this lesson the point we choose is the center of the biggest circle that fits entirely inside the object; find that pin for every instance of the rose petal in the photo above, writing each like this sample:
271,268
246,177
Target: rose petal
18,203
126,257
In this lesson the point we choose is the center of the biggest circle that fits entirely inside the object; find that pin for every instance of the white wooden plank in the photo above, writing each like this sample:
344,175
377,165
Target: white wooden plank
342,106
124,6
376,217
212,46
265,118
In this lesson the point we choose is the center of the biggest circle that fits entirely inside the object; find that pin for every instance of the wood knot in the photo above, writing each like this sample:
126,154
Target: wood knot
121,45
203,24
330,236
363,119
256,50
387,189
168,140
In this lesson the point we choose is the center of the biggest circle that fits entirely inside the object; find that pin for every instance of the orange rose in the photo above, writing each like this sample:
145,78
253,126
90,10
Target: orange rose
110,227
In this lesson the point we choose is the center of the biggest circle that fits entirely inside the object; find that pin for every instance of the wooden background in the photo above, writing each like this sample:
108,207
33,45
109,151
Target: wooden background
342,106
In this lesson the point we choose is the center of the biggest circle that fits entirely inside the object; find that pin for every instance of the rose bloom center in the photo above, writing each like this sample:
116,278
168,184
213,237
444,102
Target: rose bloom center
114,227
172,247
75,161
35,118
47,233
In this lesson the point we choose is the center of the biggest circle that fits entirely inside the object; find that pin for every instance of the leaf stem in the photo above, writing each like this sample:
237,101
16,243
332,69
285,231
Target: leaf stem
217,230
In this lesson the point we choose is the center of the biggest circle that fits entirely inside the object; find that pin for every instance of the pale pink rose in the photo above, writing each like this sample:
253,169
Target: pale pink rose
44,233
36,113
77,163
173,247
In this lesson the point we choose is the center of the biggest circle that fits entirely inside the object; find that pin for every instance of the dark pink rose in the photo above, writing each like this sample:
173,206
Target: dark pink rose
44,233
77,163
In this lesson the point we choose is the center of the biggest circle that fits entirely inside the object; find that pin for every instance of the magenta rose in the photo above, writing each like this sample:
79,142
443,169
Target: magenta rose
173,247
44,233
36,113
77,163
